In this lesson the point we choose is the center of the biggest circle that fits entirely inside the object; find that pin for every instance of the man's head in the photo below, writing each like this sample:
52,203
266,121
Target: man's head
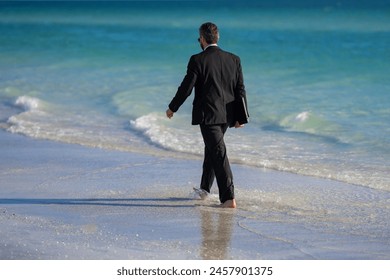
208,34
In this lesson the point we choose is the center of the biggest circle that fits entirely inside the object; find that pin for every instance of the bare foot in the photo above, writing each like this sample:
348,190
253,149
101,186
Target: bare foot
229,204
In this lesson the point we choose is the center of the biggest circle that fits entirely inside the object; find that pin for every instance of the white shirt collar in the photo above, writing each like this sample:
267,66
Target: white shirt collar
211,45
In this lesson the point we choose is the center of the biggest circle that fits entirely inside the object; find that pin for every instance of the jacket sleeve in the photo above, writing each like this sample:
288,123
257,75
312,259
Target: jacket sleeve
241,113
239,90
185,87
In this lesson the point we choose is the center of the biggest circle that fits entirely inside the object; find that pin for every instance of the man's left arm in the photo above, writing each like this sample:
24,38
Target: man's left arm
240,97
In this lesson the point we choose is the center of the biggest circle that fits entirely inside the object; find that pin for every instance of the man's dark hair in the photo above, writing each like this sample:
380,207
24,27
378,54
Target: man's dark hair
209,31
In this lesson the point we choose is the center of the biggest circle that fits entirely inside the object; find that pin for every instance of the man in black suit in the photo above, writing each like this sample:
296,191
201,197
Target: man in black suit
219,86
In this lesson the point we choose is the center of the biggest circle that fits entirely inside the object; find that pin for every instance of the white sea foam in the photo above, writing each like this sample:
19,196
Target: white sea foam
28,103
155,128
301,117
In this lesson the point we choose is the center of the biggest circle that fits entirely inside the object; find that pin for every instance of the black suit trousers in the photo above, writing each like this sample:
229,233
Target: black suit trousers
216,162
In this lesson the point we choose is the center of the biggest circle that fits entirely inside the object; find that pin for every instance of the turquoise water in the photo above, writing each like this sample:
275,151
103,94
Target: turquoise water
102,74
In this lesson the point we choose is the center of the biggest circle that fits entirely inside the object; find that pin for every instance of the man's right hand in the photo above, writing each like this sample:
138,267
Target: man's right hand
169,113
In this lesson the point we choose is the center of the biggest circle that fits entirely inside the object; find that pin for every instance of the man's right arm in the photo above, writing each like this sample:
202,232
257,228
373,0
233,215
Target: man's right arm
185,87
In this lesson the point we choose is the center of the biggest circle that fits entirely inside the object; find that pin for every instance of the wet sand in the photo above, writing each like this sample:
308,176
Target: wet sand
60,201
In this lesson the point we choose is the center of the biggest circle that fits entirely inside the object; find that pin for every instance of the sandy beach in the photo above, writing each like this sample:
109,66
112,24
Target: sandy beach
60,201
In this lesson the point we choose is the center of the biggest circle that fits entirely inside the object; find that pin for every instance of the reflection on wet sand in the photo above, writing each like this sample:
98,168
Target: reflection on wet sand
217,227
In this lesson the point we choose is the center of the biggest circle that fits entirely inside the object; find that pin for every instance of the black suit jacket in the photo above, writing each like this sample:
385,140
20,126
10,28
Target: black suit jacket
219,88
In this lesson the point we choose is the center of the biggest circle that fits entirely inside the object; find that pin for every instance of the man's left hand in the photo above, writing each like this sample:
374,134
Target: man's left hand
238,125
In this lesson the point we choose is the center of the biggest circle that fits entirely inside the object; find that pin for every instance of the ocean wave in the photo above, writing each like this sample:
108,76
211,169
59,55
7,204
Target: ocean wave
28,103
309,123
155,130
26,122
43,120
267,149
302,122
154,134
